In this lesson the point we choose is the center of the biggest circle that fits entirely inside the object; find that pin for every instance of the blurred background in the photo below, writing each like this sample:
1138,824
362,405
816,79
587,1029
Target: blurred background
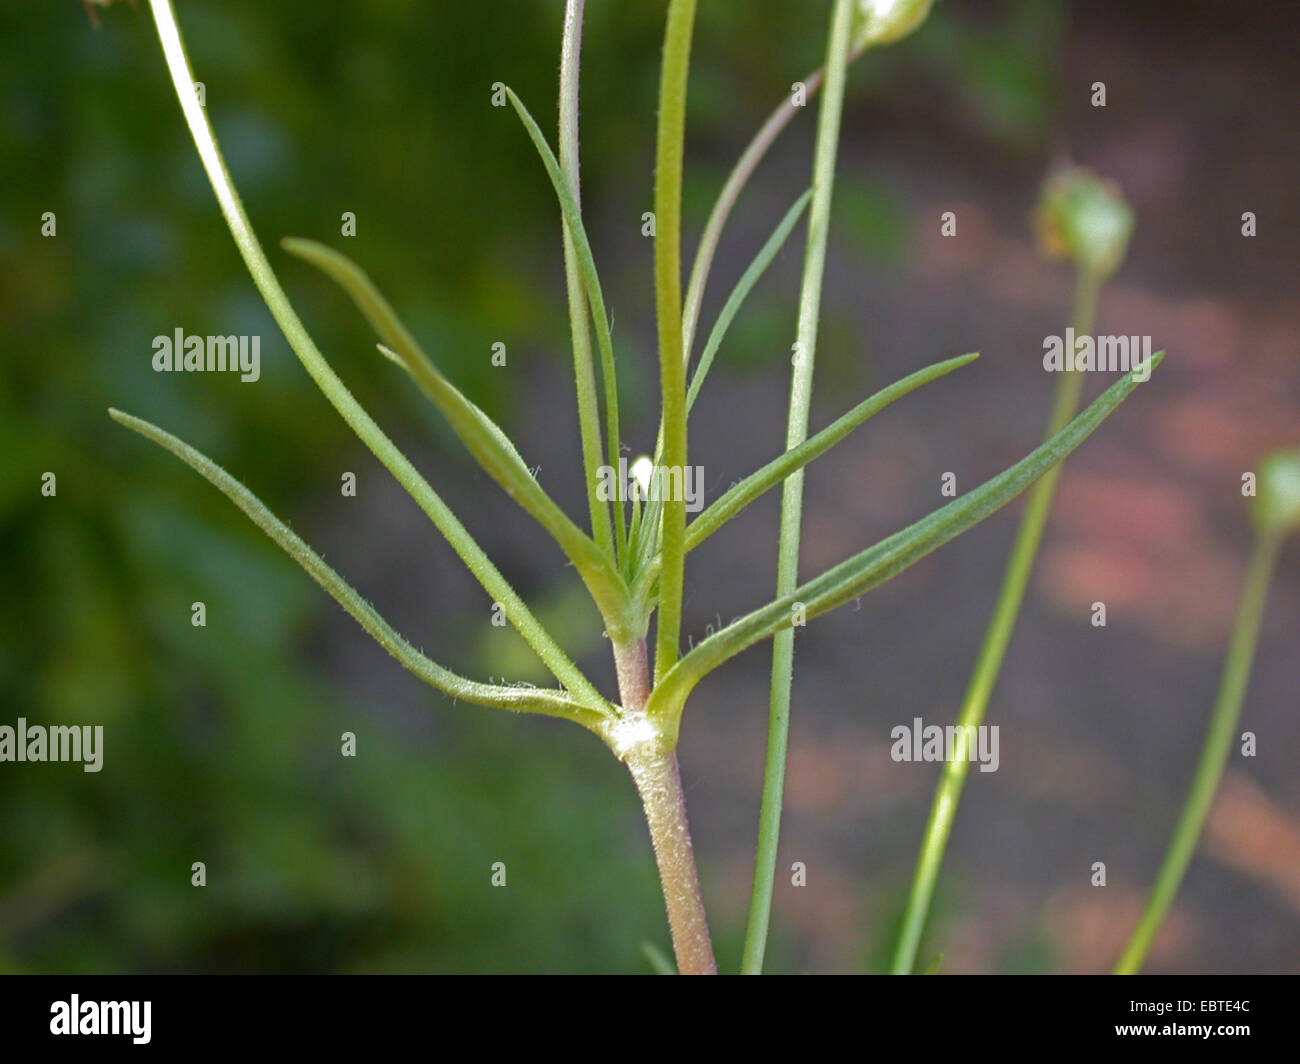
222,744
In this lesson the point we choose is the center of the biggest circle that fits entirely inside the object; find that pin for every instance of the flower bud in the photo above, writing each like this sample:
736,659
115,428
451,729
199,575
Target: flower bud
1276,506
887,21
1083,218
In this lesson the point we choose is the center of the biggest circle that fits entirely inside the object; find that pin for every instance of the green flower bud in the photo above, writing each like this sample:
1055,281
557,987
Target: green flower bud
887,21
1276,506
1084,218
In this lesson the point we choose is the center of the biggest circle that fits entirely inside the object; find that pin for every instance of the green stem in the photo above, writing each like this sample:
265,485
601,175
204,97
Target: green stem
579,322
769,827
989,663
334,389
1214,755
668,308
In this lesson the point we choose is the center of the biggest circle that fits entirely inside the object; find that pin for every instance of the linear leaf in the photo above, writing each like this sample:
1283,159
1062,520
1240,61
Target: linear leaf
737,498
250,249
551,703
738,295
590,278
886,559
489,445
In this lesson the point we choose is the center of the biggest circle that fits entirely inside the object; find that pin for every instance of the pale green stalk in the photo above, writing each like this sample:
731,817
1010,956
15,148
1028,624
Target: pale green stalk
335,391
731,190
828,134
1214,754
738,295
579,323
744,286
996,639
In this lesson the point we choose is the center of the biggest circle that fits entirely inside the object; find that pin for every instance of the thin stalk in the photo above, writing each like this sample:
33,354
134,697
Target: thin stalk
668,308
334,389
1214,755
769,828
653,764
989,663
579,322
731,190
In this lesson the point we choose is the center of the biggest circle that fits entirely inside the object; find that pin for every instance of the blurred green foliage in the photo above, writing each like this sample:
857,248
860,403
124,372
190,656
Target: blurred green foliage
222,743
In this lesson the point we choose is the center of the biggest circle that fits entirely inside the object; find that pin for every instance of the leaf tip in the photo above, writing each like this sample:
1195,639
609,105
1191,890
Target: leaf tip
1142,371
392,356
300,246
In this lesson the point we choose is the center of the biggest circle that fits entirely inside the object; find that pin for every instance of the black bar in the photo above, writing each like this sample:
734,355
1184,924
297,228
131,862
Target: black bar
929,1014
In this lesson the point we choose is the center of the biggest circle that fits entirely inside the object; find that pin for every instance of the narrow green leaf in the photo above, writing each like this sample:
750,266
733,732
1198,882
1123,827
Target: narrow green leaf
889,557
552,703
737,498
646,556
591,282
250,249
738,295
481,435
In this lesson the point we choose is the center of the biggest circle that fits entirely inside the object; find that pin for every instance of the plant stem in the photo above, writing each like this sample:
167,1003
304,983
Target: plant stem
668,308
989,663
731,190
335,390
579,322
1214,755
660,786
653,764
769,828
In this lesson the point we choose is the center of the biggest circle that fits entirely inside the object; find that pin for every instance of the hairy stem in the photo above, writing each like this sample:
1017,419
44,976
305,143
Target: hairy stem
660,786
1214,755
989,663
653,765
769,828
